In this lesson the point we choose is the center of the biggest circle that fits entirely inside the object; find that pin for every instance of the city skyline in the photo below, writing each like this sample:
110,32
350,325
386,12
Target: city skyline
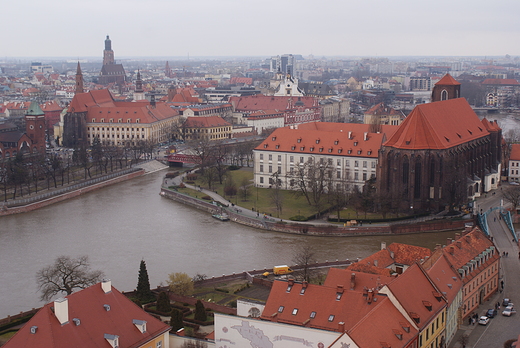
206,28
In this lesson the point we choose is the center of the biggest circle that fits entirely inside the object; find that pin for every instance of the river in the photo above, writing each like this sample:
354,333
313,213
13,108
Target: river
124,223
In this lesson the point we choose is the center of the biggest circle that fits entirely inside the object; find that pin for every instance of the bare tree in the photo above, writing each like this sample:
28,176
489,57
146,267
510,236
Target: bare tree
512,195
275,194
66,275
304,257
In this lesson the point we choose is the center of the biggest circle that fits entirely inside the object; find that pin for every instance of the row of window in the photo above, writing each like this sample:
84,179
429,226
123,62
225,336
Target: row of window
111,120
431,329
122,136
312,315
329,160
112,129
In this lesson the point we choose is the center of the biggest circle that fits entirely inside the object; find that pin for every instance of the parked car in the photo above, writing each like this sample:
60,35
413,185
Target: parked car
505,302
483,320
509,311
491,313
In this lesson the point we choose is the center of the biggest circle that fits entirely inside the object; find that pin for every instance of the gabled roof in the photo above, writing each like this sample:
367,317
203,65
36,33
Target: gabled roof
448,80
262,102
438,125
131,112
320,307
444,276
51,105
356,280
515,152
82,101
326,139
206,122
406,254
382,109
95,321
383,326
501,82
466,248
423,302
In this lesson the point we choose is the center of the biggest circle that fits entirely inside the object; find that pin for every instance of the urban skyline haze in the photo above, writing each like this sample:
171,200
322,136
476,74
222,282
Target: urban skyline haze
208,28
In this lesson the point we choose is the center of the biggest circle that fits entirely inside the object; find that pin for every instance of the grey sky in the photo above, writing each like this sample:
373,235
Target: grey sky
169,28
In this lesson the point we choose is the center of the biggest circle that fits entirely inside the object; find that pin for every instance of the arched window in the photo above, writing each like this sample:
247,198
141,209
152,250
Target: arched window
444,95
417,179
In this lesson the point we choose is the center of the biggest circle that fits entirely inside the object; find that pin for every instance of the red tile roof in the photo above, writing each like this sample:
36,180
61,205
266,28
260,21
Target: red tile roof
466,248
515,152
316,138
206,122
445,277
424,300
49,106
356,280
95,321
382,109
130,112
502,82
406,254
262,102
438,125
322,301
448,80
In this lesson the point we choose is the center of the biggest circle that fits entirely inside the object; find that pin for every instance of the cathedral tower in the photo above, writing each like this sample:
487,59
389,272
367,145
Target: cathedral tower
35,126
108,54
79,80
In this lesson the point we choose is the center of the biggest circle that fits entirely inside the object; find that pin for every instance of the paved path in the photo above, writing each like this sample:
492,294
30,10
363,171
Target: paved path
500,328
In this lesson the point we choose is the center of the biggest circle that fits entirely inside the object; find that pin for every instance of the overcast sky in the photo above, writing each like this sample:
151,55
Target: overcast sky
173,28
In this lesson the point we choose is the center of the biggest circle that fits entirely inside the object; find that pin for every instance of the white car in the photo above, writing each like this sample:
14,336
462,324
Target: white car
514,183
509,311
483,320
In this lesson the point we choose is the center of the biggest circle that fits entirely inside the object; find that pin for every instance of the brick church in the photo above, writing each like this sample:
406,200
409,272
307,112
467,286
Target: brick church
110,71
442,155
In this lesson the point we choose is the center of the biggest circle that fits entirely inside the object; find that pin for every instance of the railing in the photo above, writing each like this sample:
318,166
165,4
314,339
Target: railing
57,192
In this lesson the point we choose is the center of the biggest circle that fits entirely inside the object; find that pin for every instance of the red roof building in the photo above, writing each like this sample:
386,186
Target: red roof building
98,316
514,163
211,128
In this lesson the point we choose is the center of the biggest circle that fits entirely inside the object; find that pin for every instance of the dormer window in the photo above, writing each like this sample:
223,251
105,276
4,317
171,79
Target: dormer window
317,141
113,340
140,324
280,309
355,143
299,140
338,296
93,120
120,120
102,120
293,147
273,138
359,152
428,305
277,146
302,148
331,317
349,151
128,121
302,291
336,142
137,121
265,146
369,152
330,149
340,150
289,288
321,149
311,148
111,120
76,321
313,315
295,311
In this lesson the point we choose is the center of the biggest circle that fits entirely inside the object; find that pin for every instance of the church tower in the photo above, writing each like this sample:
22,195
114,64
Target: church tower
79,80
446,88
108,54
139,91
168,70
35,126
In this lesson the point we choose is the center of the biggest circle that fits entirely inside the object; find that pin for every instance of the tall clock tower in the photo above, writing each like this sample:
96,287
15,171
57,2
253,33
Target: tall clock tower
35,127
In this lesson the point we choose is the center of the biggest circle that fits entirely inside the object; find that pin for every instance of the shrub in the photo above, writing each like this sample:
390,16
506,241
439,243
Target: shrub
200,312
233,167
233,304
298,218
182,185
191,177
230,190
207,198
163,303
176,320
190,182
137,302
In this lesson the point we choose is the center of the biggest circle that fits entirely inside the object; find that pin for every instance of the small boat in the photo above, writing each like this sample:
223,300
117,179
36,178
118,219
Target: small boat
221,217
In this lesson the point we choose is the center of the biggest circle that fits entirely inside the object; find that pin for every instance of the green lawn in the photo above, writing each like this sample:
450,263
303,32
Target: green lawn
257,198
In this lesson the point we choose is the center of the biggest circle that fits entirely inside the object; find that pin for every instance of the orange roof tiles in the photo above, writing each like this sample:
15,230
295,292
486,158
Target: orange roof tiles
448,80
423,301
515,152
316,138
466,248
445,277
206,122
502,82
356,280
95,321
382,109
406,254
262,102
438,125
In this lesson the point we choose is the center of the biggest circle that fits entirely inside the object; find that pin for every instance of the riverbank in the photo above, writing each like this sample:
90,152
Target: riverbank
71,192
245,217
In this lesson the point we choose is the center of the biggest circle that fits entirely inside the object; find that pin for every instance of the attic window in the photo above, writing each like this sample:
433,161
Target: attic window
338,296
437,296
293,147
359,152
34,329
460,136
447,139
311,148
265,146
273,138
289,288
355,143
369,152
280,309
137,121
302,291
330,149
302,148
407,142
317,141
102,120
405,326
349,151
398,334
120,120
140,324
93,120
299,140
340,150
313,315
428,305
480,129
321,149
295,311
113,340
111,120
128,121
415,317
336,142
277,146
331,317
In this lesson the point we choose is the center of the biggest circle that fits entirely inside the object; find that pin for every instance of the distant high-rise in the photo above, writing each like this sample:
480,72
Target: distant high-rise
284,64
168,70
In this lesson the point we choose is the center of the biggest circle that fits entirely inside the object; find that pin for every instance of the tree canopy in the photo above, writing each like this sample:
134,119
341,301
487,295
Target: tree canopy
180,284
66,275
143,291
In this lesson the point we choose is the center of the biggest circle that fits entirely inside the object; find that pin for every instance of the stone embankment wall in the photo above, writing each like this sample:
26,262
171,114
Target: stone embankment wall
317,230
11,318
61,197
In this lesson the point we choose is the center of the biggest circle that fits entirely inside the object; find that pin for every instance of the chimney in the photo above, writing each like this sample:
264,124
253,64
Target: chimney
452,250
383,245
370,296
352,281
365,137
339,289
375,263
61,310
437,246
457,236
459,244
106,285
350,135
392,254
449,241
341,326
305,284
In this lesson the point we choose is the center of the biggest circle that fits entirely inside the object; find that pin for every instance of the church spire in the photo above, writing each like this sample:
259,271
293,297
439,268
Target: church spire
79,80
139,83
